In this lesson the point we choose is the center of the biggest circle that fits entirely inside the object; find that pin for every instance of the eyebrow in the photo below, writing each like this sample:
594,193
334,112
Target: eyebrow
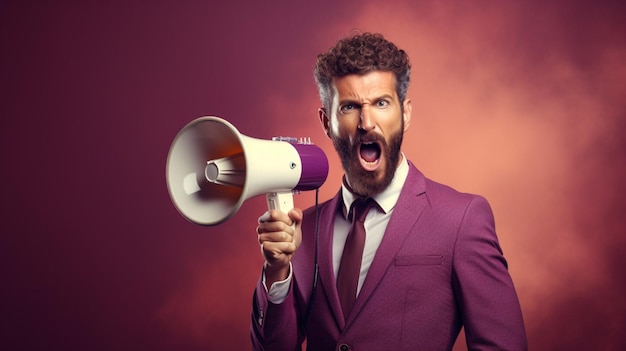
355,102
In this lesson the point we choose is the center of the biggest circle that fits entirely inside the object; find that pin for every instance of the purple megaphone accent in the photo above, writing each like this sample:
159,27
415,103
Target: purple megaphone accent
314,166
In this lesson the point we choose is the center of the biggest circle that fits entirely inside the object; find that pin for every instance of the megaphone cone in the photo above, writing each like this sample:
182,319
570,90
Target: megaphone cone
212,169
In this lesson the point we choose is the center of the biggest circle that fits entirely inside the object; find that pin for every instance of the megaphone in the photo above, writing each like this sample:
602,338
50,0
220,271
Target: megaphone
212,169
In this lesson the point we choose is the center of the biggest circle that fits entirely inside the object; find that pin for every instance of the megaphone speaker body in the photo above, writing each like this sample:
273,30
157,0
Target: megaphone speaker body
212,169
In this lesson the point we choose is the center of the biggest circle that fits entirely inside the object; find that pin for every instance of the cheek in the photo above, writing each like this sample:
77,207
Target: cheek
334,127
393,124
342,127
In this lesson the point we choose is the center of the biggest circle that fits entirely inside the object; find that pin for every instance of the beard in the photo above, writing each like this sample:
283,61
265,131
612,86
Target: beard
368,183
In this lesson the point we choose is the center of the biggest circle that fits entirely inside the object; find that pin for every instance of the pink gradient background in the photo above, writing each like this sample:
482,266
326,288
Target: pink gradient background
522,102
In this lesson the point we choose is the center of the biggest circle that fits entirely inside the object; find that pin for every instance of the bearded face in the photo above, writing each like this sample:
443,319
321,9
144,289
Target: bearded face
366,122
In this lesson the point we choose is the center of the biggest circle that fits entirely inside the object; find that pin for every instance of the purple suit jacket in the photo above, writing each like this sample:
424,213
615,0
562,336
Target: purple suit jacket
439,267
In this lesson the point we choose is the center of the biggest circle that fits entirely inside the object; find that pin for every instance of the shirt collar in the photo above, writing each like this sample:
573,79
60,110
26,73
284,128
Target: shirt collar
386,199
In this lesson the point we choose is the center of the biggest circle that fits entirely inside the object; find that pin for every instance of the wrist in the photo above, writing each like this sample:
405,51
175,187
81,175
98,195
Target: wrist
275,273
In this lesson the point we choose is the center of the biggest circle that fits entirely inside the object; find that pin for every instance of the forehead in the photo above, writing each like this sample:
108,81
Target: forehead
365,86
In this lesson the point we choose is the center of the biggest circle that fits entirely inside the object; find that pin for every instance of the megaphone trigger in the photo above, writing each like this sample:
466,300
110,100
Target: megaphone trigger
280,201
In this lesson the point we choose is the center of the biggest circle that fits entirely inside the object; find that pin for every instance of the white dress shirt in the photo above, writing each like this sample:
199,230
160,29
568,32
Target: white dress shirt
375,224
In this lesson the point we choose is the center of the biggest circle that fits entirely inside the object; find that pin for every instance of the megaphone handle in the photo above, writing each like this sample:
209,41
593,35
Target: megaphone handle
280,201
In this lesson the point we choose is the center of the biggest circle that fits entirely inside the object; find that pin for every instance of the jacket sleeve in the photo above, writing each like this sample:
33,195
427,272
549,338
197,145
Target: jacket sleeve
274,326
490,309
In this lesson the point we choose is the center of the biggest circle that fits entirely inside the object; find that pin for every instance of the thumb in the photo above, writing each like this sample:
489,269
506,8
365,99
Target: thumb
296,216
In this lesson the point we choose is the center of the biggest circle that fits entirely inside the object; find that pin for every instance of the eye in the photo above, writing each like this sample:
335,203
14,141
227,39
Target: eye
382,103
347,108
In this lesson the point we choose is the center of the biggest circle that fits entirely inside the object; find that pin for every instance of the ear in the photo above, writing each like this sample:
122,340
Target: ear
407,114
323,116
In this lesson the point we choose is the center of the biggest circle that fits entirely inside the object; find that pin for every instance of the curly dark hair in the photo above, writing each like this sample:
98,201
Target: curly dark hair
360,54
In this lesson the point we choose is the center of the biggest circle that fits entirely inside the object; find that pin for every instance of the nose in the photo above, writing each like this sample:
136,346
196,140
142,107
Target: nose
366,120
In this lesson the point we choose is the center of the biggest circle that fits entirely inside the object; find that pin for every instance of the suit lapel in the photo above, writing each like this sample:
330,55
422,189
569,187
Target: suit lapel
327,275
405,214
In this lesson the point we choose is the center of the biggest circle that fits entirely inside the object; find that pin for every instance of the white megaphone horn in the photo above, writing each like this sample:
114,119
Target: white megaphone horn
212,169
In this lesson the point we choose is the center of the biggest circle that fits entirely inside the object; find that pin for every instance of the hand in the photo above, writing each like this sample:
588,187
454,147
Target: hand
279,236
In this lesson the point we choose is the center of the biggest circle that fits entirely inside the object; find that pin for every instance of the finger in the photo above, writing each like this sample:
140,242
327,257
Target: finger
269,227
278,249
264,217
275,237
278,216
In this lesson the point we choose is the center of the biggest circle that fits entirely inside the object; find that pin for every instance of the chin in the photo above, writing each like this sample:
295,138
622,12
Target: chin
369,183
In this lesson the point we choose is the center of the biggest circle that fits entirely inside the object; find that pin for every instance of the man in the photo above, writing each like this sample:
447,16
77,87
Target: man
429,261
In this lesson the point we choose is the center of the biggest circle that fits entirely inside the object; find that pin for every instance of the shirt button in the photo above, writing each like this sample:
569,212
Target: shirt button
344,347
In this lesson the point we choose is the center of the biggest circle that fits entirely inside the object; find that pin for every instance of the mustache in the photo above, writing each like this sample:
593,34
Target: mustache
369,137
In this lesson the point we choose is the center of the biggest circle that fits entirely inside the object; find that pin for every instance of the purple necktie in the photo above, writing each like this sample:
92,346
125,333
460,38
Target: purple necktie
350,266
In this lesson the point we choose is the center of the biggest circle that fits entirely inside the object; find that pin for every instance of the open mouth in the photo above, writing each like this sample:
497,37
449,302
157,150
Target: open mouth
370,155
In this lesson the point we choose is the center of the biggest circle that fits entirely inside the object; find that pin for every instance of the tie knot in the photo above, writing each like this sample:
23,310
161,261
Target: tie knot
360,207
